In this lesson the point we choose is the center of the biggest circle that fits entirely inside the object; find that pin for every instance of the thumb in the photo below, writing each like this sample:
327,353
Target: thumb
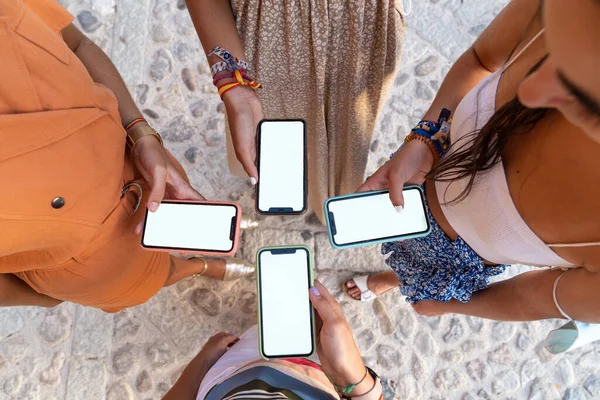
158,184
324,303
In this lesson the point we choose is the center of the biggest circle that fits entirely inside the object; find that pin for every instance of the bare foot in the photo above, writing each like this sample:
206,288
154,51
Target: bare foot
378,284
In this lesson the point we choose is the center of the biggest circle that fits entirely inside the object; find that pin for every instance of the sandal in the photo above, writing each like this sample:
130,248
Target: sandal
361,284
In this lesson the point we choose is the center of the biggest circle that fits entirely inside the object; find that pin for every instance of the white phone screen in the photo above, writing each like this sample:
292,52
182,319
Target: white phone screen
286,312
191,226
371,217
281,167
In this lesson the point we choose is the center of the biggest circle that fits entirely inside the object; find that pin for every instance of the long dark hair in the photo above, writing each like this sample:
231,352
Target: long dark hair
479,151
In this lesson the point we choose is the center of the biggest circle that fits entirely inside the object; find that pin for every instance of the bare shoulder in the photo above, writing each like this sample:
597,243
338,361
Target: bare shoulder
513,26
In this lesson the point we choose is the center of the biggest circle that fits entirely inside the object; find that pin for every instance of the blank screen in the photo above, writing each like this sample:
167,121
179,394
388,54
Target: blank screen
373,217
184,226
286,315
281,166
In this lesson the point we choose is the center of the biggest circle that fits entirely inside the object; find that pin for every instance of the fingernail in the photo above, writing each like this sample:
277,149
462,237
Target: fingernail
153,206
253,181
399,209
315,291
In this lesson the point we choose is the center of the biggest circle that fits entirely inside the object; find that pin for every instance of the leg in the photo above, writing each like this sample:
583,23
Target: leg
15,292
182,268
378,284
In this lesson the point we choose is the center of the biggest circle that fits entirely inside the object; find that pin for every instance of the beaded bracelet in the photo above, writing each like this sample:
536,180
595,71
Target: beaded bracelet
412,136
435,134
239,82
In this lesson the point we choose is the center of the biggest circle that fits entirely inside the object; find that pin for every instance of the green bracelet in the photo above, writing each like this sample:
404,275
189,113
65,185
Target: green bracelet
348,389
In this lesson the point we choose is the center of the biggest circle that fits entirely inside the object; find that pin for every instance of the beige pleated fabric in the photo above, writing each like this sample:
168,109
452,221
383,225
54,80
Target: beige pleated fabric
330,63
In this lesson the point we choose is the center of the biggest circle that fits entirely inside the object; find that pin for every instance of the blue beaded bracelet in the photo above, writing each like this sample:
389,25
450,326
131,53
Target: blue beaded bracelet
436,132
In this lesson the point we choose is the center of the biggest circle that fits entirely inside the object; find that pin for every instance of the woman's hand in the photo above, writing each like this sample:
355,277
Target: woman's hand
244,112
337,350
157,168
410,165
215,347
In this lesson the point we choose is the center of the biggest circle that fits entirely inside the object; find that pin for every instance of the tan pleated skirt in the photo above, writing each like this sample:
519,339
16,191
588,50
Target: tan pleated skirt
330,63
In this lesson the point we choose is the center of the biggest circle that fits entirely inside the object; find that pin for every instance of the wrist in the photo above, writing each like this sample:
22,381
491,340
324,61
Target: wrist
352,377
363,388
141,133
428,154
237,96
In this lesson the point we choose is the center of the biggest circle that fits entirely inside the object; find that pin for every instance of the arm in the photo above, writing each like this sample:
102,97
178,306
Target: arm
340,359
528,297
492,49
151,159
102,70
215,26
188,383
488,54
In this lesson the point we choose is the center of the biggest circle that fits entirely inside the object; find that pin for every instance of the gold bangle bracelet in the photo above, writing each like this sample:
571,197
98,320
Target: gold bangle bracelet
139,131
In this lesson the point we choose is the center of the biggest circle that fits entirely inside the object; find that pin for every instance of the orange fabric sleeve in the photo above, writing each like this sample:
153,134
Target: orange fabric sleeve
51,12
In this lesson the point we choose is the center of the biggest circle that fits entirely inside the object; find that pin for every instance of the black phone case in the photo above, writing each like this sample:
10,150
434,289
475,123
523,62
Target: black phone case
282,210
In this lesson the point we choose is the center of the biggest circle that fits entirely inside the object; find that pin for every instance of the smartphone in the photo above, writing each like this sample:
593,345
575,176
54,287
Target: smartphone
366,218
210,228
282,176
285,314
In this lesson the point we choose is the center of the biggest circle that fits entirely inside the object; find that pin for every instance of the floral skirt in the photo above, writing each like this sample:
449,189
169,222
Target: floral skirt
436,268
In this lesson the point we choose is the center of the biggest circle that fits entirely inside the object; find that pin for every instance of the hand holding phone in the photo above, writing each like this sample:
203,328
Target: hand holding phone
409,166
366,218
210,228
282,183
338,354
286,319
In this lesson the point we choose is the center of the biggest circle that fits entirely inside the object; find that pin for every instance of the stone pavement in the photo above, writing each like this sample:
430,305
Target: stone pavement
77,353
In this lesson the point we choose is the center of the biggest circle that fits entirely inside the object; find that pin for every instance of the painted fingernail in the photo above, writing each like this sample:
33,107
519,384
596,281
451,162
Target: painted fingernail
399,209
253,181
315,291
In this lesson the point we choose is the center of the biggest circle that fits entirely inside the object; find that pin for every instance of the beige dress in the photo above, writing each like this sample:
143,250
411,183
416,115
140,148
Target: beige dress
330,63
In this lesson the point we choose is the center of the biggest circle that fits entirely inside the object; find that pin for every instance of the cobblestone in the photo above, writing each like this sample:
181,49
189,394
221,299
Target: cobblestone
74,352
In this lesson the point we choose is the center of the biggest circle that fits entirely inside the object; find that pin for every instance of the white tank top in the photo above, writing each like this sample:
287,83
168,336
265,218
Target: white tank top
487,219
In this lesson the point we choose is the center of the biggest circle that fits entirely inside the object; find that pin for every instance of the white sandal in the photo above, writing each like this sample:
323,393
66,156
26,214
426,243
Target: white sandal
361,284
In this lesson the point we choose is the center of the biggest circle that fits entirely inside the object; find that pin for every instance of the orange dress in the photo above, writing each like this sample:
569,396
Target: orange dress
61,136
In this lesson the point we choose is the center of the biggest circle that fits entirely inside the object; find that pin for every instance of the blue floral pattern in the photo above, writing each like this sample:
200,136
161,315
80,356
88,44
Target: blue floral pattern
436,268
